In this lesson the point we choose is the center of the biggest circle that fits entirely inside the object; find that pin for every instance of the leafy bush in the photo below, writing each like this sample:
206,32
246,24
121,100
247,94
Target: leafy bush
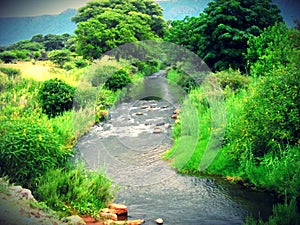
80,63
8,56
60,57
118,80
10,72
28,148
56,97
75,189
271,114
232,79
277,47
147,68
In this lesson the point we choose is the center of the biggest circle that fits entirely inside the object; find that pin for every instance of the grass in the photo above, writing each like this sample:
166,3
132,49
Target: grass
45,70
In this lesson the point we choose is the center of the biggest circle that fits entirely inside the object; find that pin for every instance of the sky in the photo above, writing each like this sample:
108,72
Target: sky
20,8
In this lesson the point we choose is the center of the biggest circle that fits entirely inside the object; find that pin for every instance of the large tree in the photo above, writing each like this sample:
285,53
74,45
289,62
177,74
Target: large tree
105,24
220,34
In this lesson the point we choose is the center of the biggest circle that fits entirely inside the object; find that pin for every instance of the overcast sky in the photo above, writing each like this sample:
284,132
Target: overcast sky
9,8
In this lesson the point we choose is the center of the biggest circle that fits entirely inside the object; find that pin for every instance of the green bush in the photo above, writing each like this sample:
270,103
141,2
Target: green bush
80,63
8,56
28,148
118,80
271,113
232,79
56,97
10,72
75,189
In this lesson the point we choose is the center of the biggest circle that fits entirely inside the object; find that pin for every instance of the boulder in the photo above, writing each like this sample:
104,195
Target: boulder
138,113
75,220
119,208
176,111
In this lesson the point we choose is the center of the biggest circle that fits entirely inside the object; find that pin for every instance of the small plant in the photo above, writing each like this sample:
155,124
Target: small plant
56,97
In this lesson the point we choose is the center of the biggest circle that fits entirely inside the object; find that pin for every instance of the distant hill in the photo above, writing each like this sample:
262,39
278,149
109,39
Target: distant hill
14,29
21,28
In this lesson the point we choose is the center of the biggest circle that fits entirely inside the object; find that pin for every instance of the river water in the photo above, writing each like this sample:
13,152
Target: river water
129,147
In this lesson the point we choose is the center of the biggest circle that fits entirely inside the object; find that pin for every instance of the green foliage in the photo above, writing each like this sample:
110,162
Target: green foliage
56,97
60,57
182,79
75,189
232,79
147,68
220,34
103,25
10,72
8,56
34,151
283,214
271,113
26,45
105,100
118,80
277,47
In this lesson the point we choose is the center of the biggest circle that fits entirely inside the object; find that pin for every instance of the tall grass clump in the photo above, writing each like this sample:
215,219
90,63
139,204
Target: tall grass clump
75,190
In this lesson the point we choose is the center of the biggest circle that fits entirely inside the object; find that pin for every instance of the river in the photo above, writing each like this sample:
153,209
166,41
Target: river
129,147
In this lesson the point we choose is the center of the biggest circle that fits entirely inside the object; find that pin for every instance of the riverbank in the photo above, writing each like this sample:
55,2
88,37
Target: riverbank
275,171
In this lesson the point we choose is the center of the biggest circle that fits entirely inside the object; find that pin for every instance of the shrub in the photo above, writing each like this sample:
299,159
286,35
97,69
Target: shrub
271,114
8,56
60,57
232,79
105,100
28,148
56,97
118,80
10,72
80,63
75,189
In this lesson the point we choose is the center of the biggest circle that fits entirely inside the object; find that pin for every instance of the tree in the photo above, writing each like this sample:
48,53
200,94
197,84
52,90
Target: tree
221,32
276,47
60,57
103,25
8,56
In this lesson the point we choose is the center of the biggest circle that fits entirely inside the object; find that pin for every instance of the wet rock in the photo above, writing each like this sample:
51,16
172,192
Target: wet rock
109,216
157,130
176,111
174,116
119,208
75,220
167,125
160,124
139,113
159,221
125,222
144,107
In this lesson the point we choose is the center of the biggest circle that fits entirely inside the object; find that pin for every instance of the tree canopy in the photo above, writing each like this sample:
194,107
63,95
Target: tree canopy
220,34
105,24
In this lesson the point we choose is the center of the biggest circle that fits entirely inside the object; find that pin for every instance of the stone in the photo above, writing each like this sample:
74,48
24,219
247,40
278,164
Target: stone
174,116
125,222
157,130
159,221
75,220
119,208
144,107
27,194
108,215
176,111
160,124
139,113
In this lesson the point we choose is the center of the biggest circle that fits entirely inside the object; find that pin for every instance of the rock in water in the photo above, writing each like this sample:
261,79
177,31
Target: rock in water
159,221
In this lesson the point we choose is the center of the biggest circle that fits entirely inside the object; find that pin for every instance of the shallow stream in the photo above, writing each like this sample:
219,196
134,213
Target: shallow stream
130,145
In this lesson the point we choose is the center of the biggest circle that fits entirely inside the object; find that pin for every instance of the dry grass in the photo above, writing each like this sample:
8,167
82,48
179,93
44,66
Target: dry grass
45,70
